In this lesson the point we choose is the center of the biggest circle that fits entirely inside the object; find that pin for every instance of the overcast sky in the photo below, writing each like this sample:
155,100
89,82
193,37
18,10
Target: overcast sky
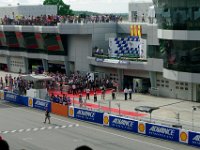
102,6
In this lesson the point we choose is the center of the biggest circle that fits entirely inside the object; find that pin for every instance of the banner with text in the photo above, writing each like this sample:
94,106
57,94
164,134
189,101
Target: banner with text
162,132
15,98
122,123
86,115
194,139
39,104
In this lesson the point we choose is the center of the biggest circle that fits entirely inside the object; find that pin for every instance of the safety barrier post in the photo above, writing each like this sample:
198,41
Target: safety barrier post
109,106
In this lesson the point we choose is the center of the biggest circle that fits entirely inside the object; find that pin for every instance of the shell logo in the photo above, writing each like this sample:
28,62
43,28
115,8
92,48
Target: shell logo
106,120
71,112
1,95
30,102
183,137
141,127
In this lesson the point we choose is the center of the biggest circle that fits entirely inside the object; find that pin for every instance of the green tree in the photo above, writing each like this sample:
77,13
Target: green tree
63,9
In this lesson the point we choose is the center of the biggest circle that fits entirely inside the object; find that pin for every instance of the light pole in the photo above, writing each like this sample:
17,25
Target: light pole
110,106
193,110
178,118
118,104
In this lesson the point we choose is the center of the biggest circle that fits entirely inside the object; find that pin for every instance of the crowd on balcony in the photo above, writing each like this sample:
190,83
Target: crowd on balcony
52,20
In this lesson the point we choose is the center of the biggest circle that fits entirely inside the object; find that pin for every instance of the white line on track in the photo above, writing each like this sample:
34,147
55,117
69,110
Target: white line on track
21,130
13,131
42,128
70,125
27,130
100,130
35,129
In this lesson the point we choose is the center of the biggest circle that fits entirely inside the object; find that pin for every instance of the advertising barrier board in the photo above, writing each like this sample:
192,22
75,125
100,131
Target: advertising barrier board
15,98
162,132
59,109
194,139
86,115
123,123
1,94
40,104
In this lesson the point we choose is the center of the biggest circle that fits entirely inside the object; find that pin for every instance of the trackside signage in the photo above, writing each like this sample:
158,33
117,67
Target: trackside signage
194,139
123,123
41,104
11,97
162,132
86,115
14,98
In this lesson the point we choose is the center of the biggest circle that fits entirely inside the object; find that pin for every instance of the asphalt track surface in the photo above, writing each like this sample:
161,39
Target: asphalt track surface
23,128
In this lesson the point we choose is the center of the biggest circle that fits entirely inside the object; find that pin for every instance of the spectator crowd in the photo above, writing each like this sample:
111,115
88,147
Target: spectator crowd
61,84
52,20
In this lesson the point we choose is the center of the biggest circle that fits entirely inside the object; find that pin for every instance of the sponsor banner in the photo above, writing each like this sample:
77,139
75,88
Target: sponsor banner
41,104
141,127
87,115
15,98
99,59
2,95
136,30
30,102
183,136
11,97
71,111
123,123
59,109
162,132
24,100
194,139
106,119
124,62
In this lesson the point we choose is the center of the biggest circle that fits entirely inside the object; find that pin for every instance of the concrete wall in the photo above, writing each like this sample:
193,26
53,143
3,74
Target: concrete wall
179,35
3,60
17,63
79,47
140,8
175,89
181,76
136,73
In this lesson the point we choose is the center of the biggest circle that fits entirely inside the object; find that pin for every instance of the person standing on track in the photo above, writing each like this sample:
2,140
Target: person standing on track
47,116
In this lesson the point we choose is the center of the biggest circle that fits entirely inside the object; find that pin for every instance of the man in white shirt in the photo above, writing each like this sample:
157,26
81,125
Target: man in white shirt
130,93
87,93
125,93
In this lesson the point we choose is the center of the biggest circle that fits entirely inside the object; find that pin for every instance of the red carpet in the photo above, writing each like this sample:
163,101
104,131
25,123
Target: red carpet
96,106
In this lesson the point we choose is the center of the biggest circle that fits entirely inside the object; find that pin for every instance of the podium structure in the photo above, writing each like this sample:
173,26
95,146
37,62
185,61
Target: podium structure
39,89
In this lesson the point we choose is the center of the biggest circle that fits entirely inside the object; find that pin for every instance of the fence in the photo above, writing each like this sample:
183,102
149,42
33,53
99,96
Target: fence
156,130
